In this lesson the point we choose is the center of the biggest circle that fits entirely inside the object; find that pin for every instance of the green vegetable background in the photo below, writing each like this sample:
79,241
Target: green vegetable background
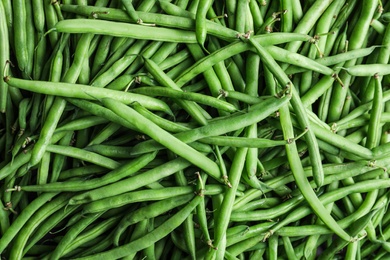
194,129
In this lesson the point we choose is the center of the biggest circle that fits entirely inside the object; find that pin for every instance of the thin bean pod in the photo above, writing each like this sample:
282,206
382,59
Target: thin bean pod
196,97
366,70
85,92
117,174
4,57
118,29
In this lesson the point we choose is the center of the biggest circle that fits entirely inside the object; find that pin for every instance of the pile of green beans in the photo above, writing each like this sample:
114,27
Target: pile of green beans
156,129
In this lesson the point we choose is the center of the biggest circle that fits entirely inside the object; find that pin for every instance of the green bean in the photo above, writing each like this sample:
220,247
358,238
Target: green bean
101,54
142,195
117,53
307,76
176,10
20,35
364,70
31,35
173,20
82,171
5,223
59,159
376,111
81,123
118,29
176,94
147,6
287,17
24,108
39,15
242,141
123,171
43,169
200,21
242,17
110,150
35,111
378,26
288,247
4,57
243,97
164,229
9,127
85,92
272,249
8,16
83,155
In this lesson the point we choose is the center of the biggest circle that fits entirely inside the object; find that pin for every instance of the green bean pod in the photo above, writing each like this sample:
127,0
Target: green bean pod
374,129
4,57
85,92
196,97
20,34
200,21
118,29
368,70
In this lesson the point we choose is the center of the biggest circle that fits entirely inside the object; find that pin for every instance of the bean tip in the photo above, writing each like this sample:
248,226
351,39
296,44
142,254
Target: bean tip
6,78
